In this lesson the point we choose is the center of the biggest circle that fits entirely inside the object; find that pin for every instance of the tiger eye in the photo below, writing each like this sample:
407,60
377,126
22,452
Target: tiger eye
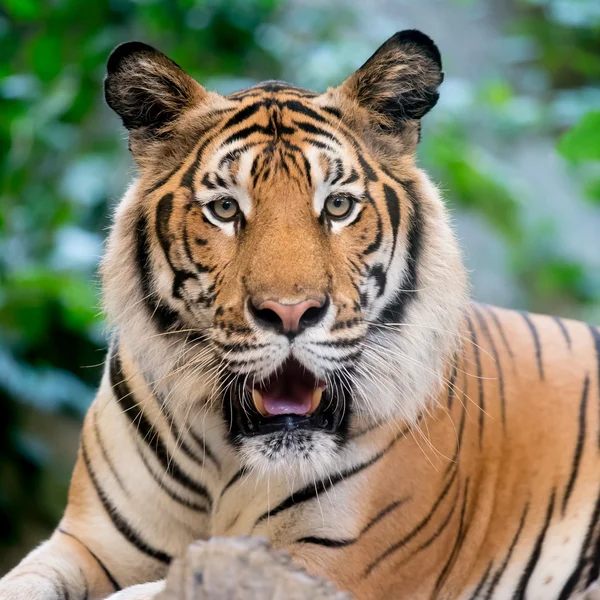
225,209
338,207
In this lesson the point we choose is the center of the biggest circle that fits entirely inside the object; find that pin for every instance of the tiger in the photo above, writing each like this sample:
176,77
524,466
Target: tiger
295,355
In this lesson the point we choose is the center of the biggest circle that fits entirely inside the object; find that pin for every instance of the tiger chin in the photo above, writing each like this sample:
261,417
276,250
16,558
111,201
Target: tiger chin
294,356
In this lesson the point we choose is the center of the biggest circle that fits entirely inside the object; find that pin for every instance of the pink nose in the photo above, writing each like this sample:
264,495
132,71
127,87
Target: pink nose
289,318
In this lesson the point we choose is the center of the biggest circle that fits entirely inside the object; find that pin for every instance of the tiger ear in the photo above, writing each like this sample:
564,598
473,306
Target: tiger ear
148,90
400,81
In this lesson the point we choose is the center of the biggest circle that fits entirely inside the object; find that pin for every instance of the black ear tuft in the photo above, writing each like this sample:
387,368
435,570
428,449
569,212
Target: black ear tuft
400,81
125,51
147,89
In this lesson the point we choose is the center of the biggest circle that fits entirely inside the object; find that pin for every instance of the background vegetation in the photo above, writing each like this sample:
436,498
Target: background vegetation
64,163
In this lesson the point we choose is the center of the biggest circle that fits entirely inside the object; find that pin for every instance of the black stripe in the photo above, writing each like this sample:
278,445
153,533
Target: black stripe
435,534
331,543
162,182
393,205
245,132
106,572
384,513
537,552
500,571
352,177
302,109
579,446
486,332
240,347
187,179
61,585
376,243
492,313
395,311
233,155
206,182
318,144
148,433
563,330
237,476
460,537
461,429
366,167
307,170
536,342
274,85
242,115
162,484
339,171
118,521
106,457
481,400
595,333
312,490
325,542
314,130
205,453
452,384
336,112
345,343
594,572
361,432
164,208
416,530
206,449
482,582
164,317
584,559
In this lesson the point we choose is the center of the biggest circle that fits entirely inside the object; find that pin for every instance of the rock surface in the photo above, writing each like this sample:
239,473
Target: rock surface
242,569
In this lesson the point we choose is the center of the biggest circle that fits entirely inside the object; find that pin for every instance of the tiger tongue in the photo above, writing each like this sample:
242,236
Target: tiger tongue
294,401
291,391
288,394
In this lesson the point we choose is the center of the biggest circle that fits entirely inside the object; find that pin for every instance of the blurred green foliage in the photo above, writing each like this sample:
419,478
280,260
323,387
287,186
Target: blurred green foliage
64,162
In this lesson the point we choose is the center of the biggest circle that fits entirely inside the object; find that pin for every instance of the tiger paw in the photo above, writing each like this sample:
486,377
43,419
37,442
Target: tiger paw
243,568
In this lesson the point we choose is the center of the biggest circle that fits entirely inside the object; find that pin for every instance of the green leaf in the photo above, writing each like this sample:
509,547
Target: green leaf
582,143
25,10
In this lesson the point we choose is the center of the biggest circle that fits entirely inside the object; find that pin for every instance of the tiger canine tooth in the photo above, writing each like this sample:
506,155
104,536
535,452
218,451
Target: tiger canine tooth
316,400
258,402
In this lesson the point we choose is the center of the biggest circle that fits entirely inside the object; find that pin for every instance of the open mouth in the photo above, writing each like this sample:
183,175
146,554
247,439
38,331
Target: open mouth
291,391
290,399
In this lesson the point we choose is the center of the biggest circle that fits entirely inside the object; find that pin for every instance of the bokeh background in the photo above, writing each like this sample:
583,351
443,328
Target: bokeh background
514,143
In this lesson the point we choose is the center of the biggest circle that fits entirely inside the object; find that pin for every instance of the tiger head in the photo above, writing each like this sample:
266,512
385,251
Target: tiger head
280,259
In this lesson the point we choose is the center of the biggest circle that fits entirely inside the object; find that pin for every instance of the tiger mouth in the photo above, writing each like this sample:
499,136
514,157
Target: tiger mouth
292,390
291,399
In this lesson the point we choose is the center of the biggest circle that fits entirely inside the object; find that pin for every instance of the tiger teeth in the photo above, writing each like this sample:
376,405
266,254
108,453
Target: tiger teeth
259,403
316,400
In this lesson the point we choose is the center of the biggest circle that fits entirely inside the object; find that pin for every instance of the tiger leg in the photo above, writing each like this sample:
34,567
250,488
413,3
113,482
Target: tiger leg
120,528
86,558
60,568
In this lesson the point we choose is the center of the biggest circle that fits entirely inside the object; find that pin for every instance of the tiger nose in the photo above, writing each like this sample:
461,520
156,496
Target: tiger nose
289,318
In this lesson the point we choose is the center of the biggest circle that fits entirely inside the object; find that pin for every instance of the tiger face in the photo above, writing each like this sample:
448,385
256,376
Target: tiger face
281,260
